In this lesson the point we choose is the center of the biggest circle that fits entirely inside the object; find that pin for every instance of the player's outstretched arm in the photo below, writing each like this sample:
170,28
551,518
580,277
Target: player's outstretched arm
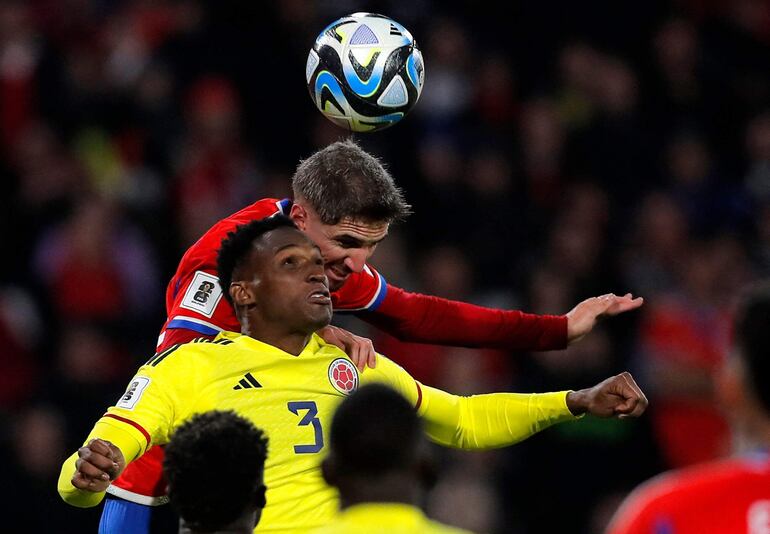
427,319
500,419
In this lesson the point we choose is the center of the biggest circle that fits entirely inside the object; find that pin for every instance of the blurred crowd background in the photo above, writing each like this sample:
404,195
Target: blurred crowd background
559,150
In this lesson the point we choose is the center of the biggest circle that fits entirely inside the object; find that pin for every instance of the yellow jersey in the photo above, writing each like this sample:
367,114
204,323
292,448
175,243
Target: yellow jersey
292,398
385,518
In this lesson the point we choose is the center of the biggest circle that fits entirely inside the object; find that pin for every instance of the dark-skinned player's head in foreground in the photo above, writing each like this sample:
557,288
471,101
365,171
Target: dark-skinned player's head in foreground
273,275
215,465
377,449
345,200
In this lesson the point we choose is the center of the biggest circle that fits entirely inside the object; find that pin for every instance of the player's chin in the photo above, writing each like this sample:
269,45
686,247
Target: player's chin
319,315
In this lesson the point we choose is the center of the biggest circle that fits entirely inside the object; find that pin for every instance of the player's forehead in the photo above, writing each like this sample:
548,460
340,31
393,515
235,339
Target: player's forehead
360,228
280,239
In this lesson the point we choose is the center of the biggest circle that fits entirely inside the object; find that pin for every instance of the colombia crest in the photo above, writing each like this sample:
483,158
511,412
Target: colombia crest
343,375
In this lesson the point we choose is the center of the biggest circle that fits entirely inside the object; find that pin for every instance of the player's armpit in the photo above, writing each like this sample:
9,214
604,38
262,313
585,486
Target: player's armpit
492,420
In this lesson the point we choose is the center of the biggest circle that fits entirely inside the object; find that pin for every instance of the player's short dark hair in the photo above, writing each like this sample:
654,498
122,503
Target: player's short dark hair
236,246
752,338
343,180
375,431
214,464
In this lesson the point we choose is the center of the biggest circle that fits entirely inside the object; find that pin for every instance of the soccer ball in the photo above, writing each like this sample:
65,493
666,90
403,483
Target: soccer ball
365,72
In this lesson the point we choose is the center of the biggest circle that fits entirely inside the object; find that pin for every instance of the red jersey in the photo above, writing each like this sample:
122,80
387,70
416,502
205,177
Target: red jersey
195,307
723,497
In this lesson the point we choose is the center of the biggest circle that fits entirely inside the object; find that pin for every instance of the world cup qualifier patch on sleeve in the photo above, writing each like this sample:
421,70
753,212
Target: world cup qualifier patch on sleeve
203,294
133,393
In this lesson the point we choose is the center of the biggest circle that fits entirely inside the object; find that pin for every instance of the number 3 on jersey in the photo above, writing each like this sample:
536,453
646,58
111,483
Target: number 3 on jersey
310,418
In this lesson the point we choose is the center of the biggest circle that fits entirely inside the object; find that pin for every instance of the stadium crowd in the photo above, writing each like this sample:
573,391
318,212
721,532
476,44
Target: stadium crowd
556,153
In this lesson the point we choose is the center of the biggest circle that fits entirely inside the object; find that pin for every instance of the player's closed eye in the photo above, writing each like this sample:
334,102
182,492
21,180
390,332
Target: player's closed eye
349,243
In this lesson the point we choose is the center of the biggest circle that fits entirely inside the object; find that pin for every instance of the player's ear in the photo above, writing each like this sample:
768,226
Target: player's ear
730,388
241,294
426,467
329,471
260,500
299,215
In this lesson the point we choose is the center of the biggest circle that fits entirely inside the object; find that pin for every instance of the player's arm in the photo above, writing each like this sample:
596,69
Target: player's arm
427,319
500,419
144,415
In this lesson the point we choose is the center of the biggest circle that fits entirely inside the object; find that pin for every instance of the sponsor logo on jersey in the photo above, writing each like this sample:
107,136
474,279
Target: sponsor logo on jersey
203,294
133,393
247,382
343,376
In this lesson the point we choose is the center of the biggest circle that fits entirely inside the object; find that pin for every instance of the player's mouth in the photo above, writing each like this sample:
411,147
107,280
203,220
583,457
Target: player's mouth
320,296
336,276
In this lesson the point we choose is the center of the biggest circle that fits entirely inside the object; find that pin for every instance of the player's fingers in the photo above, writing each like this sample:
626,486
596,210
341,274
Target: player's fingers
101,446
358,356
642,404
89,484
90,472
372,356
97,459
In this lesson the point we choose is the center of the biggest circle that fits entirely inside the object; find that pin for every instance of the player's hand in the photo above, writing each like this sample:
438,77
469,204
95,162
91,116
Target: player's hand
618,396
583,317
98,463
359,349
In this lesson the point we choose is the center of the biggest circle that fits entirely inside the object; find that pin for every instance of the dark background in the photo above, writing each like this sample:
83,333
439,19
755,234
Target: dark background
559,150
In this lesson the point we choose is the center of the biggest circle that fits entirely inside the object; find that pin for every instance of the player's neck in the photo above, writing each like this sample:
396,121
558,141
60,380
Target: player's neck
292,342
392,488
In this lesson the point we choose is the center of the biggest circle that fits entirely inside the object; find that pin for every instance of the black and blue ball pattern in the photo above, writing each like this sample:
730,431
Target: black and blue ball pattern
365,72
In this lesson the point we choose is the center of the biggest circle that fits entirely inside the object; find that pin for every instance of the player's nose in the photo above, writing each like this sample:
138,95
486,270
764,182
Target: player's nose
318,276
356,259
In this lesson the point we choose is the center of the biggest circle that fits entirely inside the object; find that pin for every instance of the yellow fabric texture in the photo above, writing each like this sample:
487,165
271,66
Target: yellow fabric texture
385,518
293,402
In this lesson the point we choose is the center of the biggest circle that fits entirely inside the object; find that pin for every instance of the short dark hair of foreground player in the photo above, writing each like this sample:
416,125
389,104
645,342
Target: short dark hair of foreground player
232,254
379,461
377,448
215,465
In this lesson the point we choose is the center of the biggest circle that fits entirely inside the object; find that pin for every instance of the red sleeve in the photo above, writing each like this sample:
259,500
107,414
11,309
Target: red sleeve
426,319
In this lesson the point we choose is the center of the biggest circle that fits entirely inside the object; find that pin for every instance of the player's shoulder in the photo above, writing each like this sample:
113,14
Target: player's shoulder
363,290
689,485
257,210
262,208
197,349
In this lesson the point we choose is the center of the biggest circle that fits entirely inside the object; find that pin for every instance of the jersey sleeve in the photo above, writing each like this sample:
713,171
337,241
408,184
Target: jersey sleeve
362,291
477,422
196,303
427,319
145,414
